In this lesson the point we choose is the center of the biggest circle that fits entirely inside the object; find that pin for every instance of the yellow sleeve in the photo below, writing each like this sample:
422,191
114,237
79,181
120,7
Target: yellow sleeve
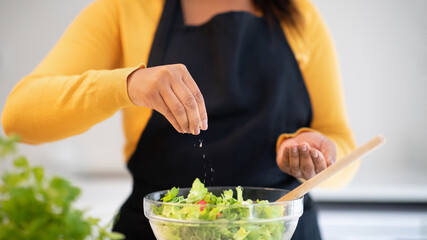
316,56
77,85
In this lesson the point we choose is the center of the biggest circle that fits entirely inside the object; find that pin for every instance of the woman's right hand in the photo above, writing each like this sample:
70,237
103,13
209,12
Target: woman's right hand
170,90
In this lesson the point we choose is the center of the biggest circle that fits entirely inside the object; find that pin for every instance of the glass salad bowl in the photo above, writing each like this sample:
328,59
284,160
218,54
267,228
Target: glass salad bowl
234,215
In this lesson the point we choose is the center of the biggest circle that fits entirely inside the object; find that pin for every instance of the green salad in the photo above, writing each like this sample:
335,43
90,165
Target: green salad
221,217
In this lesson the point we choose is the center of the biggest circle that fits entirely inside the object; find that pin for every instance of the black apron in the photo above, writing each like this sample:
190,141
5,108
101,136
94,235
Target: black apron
253,90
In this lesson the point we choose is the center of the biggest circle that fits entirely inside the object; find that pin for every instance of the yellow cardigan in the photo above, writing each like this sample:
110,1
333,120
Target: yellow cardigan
82,81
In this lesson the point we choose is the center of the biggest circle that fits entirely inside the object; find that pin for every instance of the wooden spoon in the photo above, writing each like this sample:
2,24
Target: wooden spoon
305,187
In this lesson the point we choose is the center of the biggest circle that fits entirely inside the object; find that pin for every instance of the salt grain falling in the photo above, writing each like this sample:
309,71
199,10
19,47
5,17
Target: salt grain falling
204,165
204,162
212,170
204,168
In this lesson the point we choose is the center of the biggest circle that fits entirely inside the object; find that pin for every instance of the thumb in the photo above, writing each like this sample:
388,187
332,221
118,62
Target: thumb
329,152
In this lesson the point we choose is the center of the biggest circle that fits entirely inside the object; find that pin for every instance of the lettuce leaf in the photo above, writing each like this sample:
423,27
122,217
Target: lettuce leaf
197,192
170,195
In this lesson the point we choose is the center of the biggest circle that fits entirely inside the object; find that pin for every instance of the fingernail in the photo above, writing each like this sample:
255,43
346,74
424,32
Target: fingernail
205,125
294,149
315,154
196,131
332,161
303,147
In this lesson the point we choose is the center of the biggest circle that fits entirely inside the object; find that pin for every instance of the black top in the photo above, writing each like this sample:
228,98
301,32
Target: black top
253,90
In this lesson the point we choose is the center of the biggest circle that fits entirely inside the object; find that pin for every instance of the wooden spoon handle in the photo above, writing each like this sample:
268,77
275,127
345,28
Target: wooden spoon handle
305,187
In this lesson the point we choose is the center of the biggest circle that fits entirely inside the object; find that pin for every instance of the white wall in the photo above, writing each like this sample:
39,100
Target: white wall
28,30
382,45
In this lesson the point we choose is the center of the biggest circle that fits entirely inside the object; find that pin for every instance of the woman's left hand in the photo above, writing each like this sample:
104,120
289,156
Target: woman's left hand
306,154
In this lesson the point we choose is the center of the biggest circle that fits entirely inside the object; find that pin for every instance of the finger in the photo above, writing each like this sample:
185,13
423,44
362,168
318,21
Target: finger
328,150
189,102
167,113
284,160
176,107
318,160
306,163
294,161
194,89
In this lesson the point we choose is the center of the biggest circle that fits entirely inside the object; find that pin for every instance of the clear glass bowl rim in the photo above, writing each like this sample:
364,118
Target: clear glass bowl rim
146,197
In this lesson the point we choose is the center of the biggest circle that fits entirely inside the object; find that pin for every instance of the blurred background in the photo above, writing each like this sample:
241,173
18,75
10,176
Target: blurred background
382,48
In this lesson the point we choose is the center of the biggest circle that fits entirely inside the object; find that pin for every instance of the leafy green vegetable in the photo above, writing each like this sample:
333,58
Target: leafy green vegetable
217,211
171,194
197,192
35,207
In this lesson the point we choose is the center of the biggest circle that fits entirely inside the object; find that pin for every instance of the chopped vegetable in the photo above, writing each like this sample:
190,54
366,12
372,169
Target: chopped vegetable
170,195
201,202
197,192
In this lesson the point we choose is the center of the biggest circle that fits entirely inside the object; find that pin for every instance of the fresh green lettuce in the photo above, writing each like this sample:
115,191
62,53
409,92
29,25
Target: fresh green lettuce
217,212
197,192
170,195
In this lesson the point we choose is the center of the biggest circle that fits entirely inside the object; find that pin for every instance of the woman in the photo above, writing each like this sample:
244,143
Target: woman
265,73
